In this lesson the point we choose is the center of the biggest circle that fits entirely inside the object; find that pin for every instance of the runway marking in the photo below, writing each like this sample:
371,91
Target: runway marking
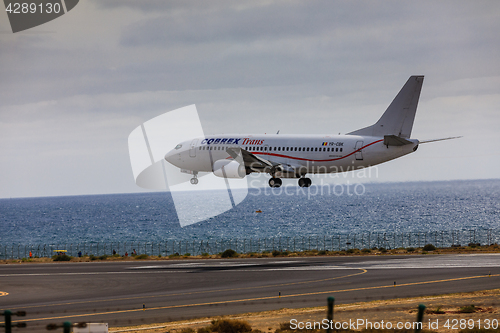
363,271
3,293
89,273
260,298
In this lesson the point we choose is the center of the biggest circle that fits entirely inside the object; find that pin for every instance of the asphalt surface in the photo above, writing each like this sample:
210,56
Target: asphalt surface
141,292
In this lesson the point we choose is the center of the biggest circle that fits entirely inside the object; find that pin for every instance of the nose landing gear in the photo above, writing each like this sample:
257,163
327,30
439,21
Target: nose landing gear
194,180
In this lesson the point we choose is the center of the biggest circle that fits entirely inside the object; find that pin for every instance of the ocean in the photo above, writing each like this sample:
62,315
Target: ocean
151,217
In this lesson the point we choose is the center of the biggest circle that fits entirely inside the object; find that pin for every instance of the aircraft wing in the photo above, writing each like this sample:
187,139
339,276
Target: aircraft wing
252,161
260,164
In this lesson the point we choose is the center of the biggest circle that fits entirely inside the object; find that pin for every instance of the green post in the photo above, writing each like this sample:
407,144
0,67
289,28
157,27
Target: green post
8,321
331,301
67,327
420,317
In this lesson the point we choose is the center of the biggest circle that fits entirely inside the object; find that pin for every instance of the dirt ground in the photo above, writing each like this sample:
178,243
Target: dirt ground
440,310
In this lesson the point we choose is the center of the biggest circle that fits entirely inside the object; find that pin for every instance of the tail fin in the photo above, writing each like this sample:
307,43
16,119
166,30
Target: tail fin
398,118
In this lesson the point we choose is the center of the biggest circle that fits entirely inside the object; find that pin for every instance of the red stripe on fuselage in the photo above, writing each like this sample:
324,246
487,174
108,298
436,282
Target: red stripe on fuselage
305,159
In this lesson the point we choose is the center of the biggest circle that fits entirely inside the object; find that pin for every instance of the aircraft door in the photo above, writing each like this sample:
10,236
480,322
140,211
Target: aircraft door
192,151
358,154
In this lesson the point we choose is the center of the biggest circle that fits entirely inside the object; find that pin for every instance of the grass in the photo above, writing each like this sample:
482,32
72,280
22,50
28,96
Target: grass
436,311
429,247
229,253
141,256
468,309
223,326
61,257
230,326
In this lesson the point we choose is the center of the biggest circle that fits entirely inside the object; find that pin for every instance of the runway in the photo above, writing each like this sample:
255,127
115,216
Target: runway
140,292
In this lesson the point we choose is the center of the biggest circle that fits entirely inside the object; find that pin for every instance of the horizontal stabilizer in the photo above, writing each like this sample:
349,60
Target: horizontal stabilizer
434,140
393,140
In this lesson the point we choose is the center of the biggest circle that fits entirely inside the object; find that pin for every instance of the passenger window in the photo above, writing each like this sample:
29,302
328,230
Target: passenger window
316,149
299,148
287,148
279,148
307,148
336,149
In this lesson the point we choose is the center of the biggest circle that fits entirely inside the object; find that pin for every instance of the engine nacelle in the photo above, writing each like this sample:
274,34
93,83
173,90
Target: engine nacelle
229,169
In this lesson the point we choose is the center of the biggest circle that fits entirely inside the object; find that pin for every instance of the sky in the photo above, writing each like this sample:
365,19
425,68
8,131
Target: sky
73,89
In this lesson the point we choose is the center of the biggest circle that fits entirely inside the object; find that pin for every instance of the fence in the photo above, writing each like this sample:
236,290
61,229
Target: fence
336,242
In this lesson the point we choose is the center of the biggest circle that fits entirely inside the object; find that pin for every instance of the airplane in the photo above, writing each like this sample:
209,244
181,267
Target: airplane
295,156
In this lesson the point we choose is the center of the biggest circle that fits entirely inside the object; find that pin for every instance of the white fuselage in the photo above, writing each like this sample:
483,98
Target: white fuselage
308,153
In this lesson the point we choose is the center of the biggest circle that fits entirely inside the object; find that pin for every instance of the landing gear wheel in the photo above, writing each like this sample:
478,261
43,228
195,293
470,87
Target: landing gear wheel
305,182
275,182
194,181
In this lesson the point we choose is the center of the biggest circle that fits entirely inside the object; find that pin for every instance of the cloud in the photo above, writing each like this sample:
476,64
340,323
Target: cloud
74,88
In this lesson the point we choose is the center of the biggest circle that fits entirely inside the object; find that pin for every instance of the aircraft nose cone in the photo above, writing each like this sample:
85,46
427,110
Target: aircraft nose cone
172,157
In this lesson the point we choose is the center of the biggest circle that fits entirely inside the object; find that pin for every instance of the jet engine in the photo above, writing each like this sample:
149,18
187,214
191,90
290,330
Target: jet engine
229,169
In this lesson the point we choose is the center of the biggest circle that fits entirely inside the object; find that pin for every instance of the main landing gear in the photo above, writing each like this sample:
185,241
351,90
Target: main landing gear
275,182
194,180
305,182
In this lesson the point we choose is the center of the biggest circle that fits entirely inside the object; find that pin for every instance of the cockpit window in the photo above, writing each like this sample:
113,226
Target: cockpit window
179,146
